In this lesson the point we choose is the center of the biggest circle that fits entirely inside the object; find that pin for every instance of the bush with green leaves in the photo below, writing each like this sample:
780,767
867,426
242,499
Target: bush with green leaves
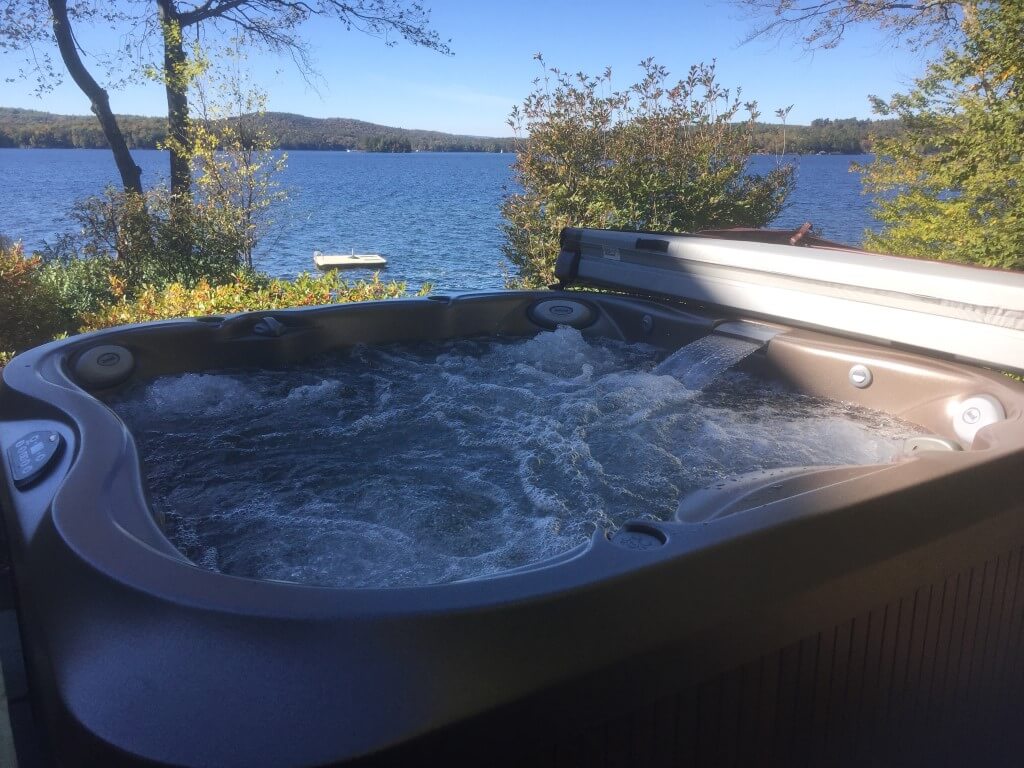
77,286
658,156
134,240
157,238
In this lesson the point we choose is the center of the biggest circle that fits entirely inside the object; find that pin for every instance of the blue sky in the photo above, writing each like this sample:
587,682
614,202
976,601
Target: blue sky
492,67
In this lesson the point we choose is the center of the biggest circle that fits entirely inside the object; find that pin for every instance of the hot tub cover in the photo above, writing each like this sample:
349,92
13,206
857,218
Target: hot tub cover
964,312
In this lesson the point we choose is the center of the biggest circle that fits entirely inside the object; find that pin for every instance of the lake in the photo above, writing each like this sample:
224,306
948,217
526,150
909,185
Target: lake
435,215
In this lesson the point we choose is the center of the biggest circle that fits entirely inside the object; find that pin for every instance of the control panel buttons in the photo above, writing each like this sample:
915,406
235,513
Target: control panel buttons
33,455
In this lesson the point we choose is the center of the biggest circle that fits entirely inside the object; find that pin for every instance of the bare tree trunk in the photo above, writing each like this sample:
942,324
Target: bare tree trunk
131,174
176,87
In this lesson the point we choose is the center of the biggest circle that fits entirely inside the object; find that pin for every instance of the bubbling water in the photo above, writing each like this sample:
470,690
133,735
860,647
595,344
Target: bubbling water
420,464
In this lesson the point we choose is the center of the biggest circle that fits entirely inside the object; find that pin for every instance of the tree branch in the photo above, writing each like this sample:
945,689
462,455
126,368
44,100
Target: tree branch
823,24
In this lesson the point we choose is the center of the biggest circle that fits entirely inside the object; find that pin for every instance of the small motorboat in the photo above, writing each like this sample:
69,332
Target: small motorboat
343,260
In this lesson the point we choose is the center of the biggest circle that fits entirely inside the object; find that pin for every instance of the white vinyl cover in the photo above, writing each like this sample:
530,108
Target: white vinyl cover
970,313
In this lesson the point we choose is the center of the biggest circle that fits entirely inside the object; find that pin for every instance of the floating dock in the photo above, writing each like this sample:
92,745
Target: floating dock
346,260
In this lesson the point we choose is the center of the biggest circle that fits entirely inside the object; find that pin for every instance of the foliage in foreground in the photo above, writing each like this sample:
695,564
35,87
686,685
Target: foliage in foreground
208,230
25,315
233,167
656,156
156,237
951,186
186,250
76,286
248,291
42,300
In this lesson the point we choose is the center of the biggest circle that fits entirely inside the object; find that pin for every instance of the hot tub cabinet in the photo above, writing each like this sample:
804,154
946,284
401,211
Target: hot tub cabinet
850,615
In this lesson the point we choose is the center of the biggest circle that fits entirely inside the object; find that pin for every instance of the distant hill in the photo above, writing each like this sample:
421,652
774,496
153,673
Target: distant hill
30,128
300,132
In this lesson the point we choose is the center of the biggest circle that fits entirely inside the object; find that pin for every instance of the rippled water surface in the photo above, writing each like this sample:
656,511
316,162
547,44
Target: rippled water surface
435,215
403,465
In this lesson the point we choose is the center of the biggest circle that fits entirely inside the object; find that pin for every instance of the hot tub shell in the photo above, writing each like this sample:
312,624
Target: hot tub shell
844,615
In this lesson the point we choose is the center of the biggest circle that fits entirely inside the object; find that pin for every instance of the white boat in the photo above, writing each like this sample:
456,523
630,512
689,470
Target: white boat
342,260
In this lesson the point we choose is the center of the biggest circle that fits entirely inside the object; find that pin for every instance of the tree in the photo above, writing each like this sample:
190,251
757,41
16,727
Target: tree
656,156
32,26
231,152
822,23
387,143
210,233
951,185
271,24
948,184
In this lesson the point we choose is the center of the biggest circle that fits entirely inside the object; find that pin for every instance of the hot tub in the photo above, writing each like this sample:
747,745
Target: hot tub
842,614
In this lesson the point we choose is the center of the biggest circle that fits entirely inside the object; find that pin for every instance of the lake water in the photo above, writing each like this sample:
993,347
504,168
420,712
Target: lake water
435,215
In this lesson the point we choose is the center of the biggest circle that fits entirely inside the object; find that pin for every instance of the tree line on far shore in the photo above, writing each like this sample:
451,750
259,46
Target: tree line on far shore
848,136
30,128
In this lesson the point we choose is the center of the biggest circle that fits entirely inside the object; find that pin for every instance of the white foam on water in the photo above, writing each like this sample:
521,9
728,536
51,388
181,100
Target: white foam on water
423,464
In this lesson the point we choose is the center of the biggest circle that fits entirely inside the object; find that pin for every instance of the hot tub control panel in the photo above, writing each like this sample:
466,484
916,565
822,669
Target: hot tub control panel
32,455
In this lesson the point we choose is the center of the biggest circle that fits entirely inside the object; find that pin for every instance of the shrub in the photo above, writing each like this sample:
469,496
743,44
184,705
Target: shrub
656,156
41,299
247,292
158,238
26,302
77,286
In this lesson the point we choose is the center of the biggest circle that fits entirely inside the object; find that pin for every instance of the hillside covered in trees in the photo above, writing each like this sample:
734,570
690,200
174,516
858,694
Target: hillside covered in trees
30,128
